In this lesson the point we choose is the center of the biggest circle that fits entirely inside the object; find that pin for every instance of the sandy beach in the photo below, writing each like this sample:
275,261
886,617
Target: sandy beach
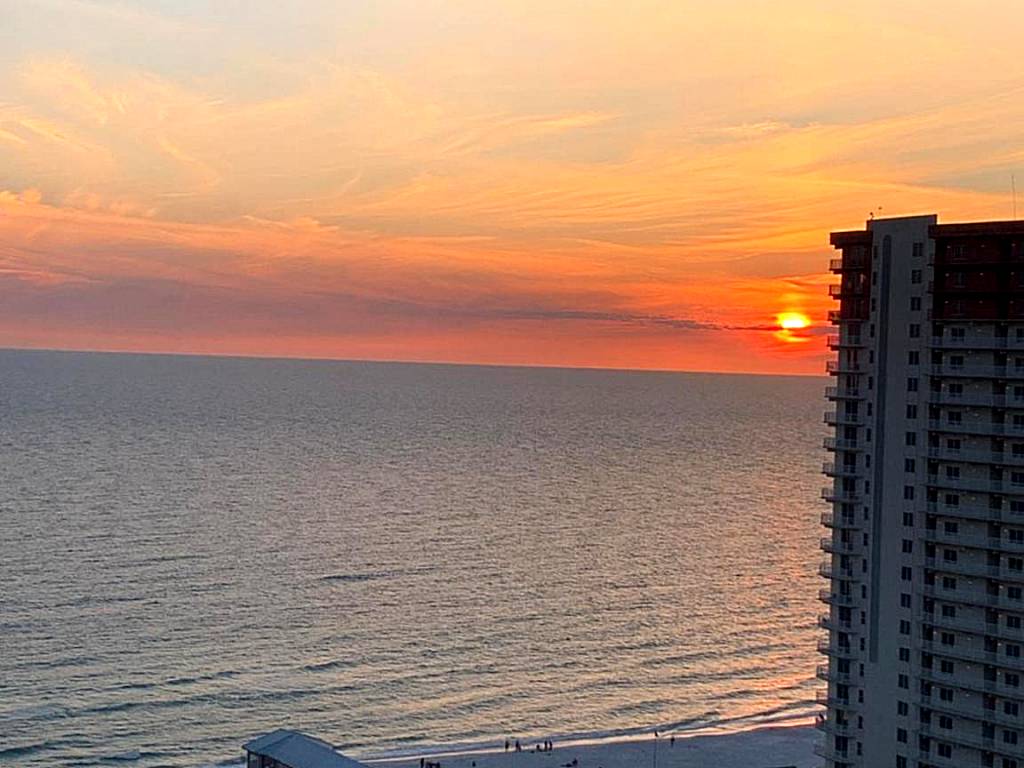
778,747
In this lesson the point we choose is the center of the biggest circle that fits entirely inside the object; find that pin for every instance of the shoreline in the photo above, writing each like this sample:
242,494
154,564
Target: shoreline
766,746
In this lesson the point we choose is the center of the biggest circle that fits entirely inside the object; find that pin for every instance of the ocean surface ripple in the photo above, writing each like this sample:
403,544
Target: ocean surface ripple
395,557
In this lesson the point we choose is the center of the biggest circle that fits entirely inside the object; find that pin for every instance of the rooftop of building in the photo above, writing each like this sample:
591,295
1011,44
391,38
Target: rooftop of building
297,750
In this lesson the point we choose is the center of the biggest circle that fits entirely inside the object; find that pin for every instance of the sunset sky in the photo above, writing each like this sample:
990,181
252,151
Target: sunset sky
558,182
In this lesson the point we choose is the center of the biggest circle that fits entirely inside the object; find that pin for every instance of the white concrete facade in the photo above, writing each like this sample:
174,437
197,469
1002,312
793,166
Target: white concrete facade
927,521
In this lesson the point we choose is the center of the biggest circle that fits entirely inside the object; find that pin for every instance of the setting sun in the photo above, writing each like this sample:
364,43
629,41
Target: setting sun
793,321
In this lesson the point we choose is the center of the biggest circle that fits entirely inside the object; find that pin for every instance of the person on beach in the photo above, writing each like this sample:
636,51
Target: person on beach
506,745
519,747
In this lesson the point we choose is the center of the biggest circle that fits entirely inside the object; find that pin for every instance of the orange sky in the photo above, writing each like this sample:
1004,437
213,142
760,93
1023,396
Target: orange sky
574,183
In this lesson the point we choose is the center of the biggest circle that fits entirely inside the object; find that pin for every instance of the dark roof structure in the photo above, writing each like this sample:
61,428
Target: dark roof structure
292,749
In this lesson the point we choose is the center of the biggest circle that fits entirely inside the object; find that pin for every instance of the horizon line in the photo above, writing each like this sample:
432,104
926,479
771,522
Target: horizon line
396,361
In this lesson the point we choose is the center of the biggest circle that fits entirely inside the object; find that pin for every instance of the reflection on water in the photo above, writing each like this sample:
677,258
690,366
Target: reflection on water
196,550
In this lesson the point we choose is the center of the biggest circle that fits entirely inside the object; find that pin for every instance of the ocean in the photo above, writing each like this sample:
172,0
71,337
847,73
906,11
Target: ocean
396,557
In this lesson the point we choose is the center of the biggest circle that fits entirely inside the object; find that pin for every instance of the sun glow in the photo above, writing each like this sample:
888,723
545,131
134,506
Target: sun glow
791,325
793,321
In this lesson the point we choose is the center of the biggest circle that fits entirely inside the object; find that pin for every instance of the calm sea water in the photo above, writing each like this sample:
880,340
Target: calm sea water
394,557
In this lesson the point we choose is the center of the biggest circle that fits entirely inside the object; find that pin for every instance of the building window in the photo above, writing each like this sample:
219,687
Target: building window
915,330
915,276
912,384
908,493
913,358
911,438
901,735
917,250
909,465
908,519
904,627
915,303
908,547
906,573
911,411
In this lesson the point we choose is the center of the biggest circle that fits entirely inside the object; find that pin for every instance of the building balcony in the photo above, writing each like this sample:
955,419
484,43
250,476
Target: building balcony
833,624
839,470
976,456
976,484
847,393
995,543
977,341
975,512
961,652
840,291
977,428
836,598
828,571
971,625
980,714
832,495
826,673
848,264
997,572
975,597
845,366
838,341
831,520
830,545
837,650
827,751
828,725
972,684
832,701
979,399
841,444
978,371
839,418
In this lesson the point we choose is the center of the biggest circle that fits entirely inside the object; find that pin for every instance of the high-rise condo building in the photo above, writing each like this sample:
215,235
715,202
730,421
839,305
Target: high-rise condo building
925,557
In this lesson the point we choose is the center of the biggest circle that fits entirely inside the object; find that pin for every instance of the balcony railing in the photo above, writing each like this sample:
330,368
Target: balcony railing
845,393
831,520
838,341
841,444
999,572
976,484
832,469
981,399
835,598
971,625
977,341
823,723
838,418
838,650
977,427
972,683
832,495
844,366
825,672
838,547
829,571
976,456
976,597
938,536
978,371
975,512
959,652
